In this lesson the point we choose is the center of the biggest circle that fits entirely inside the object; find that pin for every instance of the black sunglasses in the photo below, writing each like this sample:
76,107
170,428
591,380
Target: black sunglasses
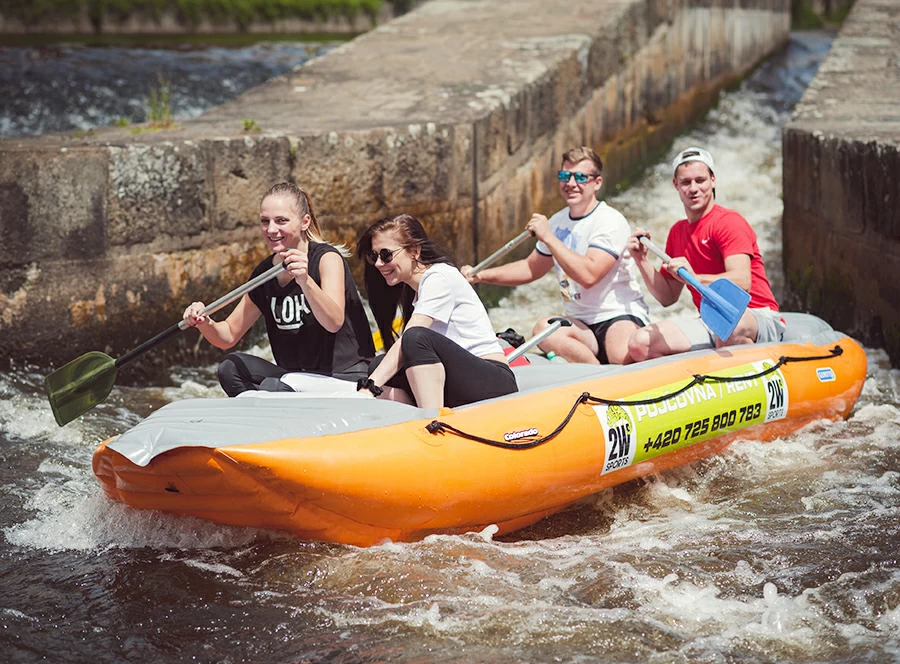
386,255
580,178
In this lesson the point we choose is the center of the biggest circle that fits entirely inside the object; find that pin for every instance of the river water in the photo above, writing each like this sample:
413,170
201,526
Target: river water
784,551
70,87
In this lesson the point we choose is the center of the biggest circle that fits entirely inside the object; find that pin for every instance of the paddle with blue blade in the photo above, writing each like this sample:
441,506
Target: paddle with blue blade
722,302
87,380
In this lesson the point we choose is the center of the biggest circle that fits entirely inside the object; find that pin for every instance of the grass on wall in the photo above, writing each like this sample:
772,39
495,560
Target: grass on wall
237,13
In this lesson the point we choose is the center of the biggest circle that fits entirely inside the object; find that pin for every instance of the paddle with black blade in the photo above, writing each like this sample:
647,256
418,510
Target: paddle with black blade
87,380
722,302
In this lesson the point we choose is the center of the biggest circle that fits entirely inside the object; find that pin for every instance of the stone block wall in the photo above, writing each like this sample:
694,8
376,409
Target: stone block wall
457,112
842,183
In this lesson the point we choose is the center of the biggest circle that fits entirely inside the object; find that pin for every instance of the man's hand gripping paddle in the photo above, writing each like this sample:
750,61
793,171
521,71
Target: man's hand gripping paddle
722,302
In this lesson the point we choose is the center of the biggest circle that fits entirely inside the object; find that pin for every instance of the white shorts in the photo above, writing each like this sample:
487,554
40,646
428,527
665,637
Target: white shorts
770,324
310,382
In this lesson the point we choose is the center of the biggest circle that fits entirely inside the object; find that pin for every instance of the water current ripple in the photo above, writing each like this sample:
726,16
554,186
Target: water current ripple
783,551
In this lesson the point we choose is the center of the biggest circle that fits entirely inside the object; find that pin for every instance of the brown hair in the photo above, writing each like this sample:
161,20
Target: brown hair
583,153
303,205
384,299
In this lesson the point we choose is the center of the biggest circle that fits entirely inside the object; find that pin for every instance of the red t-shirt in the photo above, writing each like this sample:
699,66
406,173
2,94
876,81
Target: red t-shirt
706,244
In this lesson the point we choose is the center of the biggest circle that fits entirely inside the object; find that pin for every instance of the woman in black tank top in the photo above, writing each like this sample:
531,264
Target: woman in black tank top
313,313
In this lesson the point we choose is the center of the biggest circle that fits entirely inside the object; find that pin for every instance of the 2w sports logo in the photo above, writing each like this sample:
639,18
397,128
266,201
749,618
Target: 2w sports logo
777,400
618,435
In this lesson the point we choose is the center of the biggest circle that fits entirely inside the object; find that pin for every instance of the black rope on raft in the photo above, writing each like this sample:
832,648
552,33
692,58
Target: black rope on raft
435,427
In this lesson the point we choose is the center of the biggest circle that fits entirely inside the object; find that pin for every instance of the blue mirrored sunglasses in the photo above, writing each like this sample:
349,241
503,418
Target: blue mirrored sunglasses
580,178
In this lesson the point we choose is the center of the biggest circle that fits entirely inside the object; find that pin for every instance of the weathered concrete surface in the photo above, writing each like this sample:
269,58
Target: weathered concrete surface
457,112
842,182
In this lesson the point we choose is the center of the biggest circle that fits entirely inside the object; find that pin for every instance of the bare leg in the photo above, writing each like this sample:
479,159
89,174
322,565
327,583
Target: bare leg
574,344
745,332
616,341
396,394
427,383
657,340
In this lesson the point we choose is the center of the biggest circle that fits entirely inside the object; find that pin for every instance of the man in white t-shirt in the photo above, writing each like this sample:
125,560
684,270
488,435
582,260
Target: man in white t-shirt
585,242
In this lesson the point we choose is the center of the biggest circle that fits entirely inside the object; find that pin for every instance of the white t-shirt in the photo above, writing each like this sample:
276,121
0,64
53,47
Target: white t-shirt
619,292
446,296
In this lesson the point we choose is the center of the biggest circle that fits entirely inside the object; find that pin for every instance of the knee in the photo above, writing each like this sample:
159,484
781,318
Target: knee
415,338
228,367
417,346
639,345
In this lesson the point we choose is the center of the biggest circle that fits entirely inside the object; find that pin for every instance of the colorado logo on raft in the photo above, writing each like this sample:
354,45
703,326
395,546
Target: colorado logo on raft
825,374
518,435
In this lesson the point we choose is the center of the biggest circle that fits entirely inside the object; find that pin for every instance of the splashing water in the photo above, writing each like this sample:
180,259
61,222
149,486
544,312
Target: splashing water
783,551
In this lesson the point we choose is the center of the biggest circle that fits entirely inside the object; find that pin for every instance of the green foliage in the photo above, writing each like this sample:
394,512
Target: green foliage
250,125
120,122
239,13
804,17
159,105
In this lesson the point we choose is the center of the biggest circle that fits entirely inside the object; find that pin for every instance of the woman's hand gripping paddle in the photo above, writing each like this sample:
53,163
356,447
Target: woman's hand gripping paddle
723,302
87,380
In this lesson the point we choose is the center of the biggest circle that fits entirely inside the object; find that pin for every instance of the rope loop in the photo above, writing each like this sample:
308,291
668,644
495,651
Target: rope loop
436,426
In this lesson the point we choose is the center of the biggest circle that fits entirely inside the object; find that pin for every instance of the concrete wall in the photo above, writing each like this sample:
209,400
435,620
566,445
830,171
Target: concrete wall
842,182
457,112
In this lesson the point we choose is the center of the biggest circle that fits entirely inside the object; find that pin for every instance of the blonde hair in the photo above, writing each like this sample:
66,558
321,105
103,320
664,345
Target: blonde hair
583,153
303,205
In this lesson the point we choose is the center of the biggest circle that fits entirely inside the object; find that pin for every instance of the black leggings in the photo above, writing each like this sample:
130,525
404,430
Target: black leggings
241,372
468,377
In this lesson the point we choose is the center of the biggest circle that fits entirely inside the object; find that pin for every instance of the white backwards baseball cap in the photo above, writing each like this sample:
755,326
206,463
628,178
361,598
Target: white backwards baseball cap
693,154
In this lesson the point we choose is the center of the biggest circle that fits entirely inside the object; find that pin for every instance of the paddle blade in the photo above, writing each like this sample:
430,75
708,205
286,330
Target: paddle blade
80,385
722,306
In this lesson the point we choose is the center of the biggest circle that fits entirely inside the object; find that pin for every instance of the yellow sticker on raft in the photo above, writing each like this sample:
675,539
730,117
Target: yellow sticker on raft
636,433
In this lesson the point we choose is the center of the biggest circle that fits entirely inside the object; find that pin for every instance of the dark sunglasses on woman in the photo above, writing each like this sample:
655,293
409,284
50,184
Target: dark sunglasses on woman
580,178
386,255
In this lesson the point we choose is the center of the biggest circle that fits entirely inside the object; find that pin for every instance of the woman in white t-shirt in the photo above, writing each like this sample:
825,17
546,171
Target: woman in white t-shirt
448,354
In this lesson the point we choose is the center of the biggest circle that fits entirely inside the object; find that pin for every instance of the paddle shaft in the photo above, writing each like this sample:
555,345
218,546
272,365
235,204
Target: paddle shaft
207,311
502,251
722,302
555,324
682,272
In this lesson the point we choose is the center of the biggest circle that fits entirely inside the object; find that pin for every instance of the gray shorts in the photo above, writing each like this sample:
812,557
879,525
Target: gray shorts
771,329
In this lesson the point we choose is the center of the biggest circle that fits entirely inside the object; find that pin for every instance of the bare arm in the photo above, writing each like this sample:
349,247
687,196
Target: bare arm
585,270
524,271
666,291
390,365
737,270
327,301
223,334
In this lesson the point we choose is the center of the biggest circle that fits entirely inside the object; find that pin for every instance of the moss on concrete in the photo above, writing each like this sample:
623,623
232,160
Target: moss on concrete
238,14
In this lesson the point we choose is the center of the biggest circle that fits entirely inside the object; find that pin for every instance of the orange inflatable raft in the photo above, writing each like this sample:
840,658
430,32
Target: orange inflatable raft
359,471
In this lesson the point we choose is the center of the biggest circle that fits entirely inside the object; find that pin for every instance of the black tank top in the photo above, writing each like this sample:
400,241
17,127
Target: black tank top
298,340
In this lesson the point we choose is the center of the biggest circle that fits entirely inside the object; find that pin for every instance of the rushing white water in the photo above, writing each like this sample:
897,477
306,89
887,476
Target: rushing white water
781,551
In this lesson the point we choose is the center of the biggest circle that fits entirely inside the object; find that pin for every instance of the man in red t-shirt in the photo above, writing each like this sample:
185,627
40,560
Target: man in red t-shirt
712,243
